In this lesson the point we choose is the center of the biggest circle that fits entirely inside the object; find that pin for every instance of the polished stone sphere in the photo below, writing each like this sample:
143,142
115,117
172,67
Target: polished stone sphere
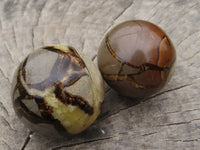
57,91
136,58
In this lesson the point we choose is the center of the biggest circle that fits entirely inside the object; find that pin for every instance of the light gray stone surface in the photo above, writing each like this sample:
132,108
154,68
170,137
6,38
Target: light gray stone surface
168,120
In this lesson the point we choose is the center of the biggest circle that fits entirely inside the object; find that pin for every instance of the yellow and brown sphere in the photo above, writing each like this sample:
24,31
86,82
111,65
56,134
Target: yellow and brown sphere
57,89
136,58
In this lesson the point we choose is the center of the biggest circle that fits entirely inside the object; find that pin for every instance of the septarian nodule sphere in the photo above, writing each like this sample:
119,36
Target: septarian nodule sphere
57,89
136,58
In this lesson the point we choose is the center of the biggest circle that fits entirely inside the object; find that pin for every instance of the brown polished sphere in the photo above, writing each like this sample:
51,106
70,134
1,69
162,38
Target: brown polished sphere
136,58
